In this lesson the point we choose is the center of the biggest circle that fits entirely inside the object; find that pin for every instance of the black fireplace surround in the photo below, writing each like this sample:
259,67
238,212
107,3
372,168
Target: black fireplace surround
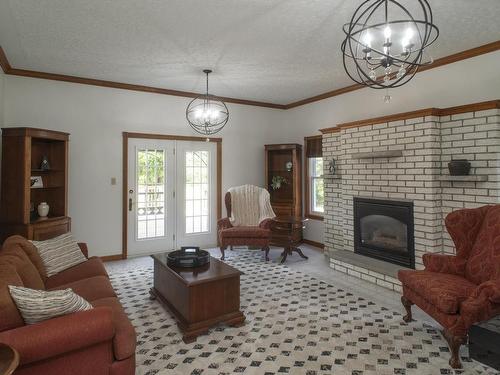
383,229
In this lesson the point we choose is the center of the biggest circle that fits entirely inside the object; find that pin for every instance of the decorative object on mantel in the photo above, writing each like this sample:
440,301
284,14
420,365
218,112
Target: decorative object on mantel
377,154
289,166
385,43
43,210
277,181
331,166
207,114
459,167
45,165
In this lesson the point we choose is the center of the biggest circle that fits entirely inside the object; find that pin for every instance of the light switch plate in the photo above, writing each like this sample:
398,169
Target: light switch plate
113,180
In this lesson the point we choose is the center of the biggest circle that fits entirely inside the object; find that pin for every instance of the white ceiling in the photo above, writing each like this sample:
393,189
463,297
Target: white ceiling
276,51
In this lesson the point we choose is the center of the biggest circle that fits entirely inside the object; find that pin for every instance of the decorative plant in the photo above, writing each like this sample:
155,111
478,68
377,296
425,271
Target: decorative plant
277,181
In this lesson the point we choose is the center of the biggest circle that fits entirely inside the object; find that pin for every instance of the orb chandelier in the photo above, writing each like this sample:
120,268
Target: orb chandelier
206,114
385,43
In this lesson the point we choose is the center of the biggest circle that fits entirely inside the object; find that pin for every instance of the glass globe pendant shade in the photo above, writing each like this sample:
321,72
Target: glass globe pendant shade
386,43
206,114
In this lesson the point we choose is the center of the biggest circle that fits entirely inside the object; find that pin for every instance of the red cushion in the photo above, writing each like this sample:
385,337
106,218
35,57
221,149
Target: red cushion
90,268
245,232
91,289
445,291
125,340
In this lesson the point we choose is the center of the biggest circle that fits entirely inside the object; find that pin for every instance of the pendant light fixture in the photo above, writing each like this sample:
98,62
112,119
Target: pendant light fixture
206,114
386,44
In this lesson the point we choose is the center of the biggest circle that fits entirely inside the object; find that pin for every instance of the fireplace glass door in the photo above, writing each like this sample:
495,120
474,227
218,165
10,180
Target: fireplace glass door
384,230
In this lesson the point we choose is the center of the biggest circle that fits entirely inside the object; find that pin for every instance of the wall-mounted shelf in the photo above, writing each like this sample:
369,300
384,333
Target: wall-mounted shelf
377,154
471,178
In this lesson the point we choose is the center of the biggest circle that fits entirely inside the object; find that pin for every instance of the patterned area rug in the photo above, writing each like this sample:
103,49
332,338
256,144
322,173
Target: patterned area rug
295,325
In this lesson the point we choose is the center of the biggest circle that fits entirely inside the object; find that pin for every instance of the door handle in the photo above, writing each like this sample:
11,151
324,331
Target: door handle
130,204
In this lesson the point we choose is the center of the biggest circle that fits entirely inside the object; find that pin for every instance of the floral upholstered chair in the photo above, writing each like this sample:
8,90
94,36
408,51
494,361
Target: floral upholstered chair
249,219
463,289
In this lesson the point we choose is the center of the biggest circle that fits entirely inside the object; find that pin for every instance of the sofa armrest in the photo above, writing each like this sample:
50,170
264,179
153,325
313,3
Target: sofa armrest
266,224
55,337
224,223
84,249
444,264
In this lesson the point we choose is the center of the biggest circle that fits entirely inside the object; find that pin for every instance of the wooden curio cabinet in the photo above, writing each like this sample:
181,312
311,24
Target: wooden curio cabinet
287,200
23,150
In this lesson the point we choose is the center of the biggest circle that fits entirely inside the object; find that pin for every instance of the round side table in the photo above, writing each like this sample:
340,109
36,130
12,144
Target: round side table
9,359
286,233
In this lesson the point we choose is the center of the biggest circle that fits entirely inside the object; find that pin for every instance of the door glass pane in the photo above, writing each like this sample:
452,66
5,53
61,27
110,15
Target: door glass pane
197,192
150,194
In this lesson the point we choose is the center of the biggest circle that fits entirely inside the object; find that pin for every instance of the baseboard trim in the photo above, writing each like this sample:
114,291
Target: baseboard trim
313,243
109,258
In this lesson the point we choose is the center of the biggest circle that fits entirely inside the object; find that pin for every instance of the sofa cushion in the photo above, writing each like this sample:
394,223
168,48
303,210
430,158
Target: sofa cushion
39,305
92,267
92,288
59,253
9,314
30,250
445,291
244,232
484,259
15,256
124,341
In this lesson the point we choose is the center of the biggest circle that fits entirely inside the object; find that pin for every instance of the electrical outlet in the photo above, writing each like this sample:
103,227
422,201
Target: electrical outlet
113,180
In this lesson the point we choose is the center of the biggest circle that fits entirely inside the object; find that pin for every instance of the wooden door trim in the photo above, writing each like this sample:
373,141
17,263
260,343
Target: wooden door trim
131,135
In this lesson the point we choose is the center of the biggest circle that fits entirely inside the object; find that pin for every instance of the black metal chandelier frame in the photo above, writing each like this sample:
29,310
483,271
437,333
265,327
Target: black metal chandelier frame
368,59
205,124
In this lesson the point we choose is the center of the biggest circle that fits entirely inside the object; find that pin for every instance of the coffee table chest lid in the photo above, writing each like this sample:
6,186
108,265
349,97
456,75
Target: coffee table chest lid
215,270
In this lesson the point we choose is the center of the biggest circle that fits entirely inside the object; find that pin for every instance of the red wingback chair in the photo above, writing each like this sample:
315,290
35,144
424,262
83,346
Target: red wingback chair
463,289
228,235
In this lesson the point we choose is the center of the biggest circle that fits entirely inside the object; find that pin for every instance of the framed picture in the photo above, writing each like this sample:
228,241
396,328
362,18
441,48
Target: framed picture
36,182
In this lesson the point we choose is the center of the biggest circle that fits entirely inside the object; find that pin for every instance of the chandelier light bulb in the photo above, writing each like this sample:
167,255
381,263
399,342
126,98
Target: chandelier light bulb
367,39
387,32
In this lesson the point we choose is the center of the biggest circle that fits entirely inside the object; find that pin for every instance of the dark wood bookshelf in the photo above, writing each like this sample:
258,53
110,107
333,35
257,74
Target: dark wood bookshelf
286,201
22,152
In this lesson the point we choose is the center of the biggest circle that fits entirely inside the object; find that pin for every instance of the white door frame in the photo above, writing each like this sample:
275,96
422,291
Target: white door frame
130,135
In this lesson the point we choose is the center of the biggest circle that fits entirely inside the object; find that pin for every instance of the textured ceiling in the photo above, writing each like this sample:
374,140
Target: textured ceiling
267,50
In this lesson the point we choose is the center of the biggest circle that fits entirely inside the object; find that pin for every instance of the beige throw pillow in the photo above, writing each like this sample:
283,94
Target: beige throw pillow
59,253
39,305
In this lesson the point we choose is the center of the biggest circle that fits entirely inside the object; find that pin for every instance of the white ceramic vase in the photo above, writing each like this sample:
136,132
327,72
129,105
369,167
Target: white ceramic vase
43,209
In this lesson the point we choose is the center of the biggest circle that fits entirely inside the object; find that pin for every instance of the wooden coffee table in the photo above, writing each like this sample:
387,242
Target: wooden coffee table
199,298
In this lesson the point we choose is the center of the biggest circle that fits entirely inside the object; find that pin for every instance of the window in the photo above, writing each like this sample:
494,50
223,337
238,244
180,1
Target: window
197,194
315,194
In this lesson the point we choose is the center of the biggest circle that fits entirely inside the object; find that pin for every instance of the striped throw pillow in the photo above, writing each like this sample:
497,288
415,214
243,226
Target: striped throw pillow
59,253
39,305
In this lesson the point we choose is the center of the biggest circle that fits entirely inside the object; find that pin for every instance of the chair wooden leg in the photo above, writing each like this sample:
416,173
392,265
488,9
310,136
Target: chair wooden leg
266,249
407,305
454,342
223,255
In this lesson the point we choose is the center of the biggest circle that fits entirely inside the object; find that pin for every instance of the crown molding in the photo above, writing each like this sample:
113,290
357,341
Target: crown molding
8,69
474,107
467,54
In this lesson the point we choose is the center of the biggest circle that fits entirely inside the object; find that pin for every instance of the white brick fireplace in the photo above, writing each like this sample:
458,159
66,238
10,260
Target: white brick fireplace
404,157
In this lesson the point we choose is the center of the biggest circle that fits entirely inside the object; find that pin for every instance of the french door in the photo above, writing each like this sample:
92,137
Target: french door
171,195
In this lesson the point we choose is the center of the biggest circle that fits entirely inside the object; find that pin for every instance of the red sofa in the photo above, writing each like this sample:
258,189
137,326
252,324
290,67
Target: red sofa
463,289
100,341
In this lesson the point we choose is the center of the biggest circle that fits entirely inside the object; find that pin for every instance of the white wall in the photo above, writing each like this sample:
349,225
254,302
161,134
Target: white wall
96,118
468,81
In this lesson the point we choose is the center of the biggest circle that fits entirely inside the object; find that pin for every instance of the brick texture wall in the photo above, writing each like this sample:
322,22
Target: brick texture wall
427,144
